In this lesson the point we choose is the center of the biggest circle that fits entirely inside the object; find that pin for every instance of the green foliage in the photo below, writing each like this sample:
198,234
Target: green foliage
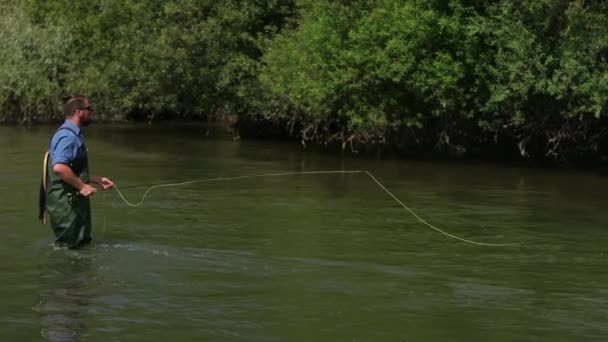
32,59
459,74
373,65
455,75
163,58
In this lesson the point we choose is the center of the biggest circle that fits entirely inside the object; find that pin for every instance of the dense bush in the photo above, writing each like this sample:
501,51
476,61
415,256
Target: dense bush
459,77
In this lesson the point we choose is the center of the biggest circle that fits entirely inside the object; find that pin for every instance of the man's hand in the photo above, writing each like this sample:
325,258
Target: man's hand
106,183
103,182
87,190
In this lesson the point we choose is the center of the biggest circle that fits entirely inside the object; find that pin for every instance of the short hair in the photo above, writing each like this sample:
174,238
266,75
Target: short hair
72,103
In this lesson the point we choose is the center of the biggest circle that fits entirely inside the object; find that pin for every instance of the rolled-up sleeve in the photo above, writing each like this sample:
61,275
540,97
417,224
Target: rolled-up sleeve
65,150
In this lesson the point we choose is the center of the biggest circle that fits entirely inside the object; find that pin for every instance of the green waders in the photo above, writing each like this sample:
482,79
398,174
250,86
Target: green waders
69,212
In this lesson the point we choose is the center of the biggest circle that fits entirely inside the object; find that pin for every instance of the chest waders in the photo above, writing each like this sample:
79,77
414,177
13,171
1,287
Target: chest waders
69,212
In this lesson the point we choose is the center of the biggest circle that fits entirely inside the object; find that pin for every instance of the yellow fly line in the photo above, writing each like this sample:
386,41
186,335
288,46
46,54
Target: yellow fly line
309,173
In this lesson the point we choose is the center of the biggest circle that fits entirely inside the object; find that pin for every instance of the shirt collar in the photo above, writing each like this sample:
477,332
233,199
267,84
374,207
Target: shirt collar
71,125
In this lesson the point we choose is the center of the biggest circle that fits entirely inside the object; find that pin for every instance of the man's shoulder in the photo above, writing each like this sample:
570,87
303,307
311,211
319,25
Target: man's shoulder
64,132
68,126
64,135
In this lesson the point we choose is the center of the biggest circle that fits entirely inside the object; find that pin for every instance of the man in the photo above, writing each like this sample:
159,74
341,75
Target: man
68,183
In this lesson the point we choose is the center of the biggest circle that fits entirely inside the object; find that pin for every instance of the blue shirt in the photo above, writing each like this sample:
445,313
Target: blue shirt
65,146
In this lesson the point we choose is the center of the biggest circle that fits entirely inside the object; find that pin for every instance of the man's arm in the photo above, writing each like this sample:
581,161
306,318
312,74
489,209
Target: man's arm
67,175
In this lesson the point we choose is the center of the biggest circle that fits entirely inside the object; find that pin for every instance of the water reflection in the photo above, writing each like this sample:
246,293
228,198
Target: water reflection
65,295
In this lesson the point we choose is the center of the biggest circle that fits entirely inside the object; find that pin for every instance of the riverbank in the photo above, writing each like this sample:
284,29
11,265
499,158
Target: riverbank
502,152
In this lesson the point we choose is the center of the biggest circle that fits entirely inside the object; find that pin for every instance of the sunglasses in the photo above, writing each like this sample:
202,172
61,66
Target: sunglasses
89,108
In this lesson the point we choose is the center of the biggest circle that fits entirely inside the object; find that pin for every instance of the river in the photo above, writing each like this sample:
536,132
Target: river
304,257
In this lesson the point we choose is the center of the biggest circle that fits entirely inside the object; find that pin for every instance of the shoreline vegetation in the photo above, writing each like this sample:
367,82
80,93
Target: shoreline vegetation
513,80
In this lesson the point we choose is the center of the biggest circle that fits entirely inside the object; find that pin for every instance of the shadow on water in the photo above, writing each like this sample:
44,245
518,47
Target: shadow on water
65,295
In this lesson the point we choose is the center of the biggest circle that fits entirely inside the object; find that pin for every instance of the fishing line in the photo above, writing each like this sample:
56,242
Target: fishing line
145,195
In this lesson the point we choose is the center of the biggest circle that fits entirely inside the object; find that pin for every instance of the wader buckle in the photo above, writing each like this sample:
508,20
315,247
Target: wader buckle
72,199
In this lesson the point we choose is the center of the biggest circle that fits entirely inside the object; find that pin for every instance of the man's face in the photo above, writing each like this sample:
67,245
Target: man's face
85,113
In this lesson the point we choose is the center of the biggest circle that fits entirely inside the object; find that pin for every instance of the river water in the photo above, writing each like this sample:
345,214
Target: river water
301,257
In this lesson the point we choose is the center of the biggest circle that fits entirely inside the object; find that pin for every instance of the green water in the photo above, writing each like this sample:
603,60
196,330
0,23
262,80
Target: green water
301,258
